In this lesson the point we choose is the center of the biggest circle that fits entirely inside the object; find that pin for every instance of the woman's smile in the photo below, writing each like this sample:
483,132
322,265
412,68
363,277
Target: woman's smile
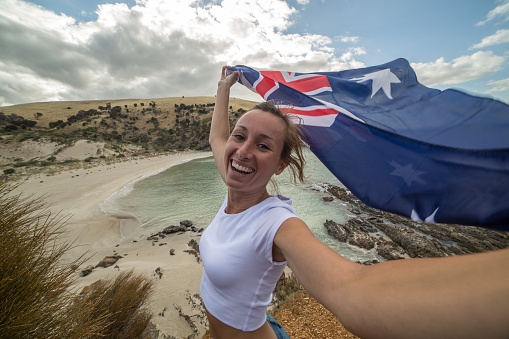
239,169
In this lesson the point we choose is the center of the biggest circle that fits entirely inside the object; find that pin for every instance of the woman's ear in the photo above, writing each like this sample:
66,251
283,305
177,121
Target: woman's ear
281,168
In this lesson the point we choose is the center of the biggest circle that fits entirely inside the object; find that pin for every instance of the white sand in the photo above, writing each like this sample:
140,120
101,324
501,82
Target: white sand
80,193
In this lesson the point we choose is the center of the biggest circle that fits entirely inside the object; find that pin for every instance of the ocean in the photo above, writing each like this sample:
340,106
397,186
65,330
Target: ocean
193,190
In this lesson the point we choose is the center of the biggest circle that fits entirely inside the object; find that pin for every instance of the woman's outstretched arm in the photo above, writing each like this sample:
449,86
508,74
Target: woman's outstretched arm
220,126
464,296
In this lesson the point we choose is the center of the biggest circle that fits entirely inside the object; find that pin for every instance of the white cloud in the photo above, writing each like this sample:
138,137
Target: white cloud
464,68
500,37
303,2
349,39
156,48
498,85
499,11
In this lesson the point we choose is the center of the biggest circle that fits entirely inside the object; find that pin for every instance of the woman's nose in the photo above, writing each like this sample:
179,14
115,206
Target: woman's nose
245,151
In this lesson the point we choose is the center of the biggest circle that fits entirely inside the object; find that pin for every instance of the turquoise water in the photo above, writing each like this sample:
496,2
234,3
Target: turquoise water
194,190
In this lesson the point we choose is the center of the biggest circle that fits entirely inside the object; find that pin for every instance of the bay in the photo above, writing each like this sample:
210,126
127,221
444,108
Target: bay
194,191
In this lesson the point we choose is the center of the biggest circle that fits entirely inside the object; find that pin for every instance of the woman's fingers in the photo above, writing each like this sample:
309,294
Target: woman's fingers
231,78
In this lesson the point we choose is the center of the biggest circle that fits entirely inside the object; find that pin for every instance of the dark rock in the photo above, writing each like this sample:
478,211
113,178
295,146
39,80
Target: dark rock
154,237
158,272
172,229
90,288
336,230
87,270
108,261
328,199
389,250
186,223
369,262
172,251
416,245
194,245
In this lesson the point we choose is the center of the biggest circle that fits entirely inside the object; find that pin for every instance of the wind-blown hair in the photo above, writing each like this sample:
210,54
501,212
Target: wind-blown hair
292,148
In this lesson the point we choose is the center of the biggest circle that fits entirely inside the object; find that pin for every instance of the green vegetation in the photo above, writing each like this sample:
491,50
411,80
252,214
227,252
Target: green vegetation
285,287
35,286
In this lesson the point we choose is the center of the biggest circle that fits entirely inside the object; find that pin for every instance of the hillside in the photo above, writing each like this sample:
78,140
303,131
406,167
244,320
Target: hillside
41,134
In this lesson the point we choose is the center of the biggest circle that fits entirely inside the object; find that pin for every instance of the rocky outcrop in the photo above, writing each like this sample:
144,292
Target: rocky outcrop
396,237
185,226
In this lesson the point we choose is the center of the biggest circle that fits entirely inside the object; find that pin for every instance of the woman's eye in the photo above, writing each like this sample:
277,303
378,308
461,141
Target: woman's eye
238,137
263,146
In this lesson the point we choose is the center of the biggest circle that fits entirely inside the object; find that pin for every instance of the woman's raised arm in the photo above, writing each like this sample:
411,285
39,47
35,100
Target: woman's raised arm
464,296
220,126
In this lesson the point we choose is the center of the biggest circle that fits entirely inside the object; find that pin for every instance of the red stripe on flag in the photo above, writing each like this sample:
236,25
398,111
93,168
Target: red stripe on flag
265,85
315,112
307,84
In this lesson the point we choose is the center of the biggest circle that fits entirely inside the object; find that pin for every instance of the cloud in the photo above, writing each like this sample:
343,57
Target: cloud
302,2
156,48
498,85
500,37
464,68
497,12
349,39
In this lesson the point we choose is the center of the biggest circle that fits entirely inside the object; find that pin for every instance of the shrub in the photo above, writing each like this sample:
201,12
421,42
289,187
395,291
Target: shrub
9,170
35,286
285,287
123,300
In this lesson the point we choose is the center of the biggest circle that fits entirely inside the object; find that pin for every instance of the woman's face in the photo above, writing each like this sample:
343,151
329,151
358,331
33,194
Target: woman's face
253,151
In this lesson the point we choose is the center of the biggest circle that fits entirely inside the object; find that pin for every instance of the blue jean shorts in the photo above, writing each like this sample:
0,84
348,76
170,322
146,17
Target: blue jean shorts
278,329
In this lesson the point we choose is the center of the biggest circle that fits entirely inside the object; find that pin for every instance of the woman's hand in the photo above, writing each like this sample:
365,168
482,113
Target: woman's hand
228,80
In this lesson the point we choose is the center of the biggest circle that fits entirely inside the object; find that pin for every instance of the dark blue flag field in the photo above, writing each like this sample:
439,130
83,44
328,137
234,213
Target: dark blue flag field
431,155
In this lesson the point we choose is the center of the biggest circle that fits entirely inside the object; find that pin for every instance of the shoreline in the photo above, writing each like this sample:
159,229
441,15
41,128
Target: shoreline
99,233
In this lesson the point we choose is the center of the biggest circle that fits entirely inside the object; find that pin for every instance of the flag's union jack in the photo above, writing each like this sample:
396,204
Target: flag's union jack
312,113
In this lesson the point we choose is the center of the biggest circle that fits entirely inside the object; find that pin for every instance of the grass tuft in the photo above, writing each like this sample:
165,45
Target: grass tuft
35,286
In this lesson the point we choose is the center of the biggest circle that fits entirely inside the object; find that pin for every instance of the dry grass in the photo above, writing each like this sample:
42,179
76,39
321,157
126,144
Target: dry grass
35,294
33,285
57,110
303,318
122,303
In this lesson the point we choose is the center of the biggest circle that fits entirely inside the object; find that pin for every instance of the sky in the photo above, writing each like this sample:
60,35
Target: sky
62,50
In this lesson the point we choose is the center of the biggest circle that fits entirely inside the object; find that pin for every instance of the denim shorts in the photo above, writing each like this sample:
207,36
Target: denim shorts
278,329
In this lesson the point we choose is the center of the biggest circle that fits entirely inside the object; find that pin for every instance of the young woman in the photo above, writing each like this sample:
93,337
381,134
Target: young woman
254,235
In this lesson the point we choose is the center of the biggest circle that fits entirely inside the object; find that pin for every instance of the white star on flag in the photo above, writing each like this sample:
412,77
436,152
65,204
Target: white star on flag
430,220
407,172
381,79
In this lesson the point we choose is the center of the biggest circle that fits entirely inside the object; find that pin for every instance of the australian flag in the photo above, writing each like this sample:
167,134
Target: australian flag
399,146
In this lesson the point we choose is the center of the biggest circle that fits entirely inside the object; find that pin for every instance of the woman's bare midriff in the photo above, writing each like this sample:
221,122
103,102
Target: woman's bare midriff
219,330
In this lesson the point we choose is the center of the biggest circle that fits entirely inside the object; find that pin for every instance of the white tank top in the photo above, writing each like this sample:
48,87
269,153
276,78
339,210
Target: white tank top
239,274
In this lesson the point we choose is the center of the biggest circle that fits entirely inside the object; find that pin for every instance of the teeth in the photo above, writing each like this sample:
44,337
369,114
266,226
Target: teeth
241,168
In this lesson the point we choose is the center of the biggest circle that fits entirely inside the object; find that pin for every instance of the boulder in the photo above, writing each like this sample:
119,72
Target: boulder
108,261
87,270
186,223
173,229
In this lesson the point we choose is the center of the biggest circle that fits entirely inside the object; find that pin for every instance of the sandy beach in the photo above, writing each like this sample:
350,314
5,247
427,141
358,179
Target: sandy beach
80,193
